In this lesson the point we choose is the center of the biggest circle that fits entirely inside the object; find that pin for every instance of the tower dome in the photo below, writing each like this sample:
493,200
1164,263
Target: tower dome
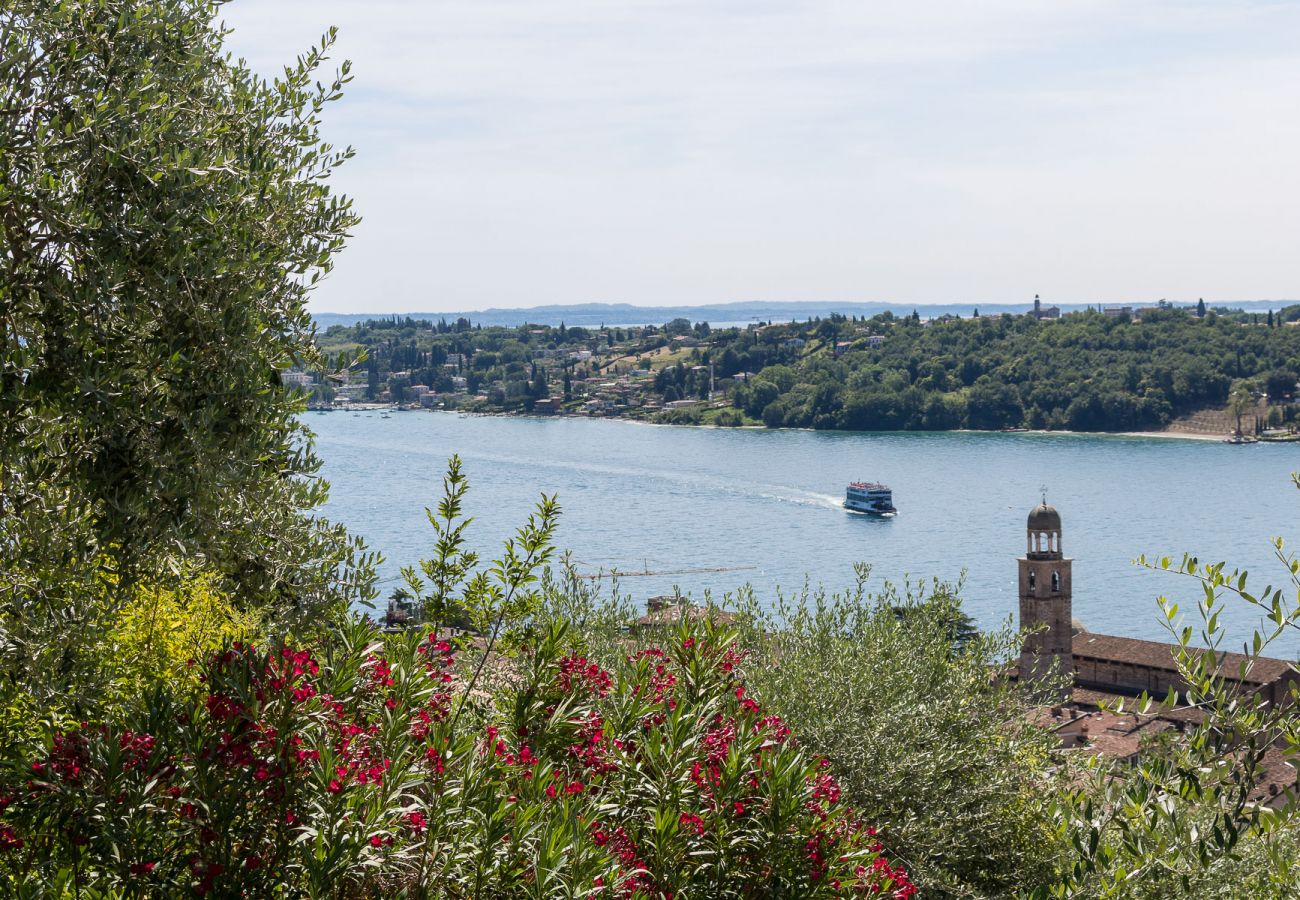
1043,532
1044,518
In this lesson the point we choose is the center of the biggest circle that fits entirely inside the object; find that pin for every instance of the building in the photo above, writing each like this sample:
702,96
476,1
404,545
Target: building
1044,312
667,612
1045,597
1105,662
1102,670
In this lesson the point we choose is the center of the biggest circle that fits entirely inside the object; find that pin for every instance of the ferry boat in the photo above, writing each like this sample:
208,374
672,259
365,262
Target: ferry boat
869,497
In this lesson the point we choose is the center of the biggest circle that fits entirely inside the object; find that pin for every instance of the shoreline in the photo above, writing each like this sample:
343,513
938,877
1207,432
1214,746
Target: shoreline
1157,435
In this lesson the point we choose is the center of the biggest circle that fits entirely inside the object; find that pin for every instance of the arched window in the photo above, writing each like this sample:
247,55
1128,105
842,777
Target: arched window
1031,579
1056,582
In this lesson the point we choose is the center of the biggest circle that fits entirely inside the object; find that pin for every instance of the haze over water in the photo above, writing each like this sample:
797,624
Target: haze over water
673,499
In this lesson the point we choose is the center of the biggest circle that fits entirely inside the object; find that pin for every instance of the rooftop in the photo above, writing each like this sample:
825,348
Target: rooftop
1154,655
672,613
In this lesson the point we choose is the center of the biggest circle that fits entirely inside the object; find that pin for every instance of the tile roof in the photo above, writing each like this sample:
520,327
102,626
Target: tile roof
671,615
1154,655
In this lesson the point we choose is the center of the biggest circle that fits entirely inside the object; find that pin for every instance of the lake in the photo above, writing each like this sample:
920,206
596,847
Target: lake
765,505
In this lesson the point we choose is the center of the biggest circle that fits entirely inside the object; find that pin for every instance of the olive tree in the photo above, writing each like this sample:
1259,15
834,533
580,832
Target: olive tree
165,213
896,689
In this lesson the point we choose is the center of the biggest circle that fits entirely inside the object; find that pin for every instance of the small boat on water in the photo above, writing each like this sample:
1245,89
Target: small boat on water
871,498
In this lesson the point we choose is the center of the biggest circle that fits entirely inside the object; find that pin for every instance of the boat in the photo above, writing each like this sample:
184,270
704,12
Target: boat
869,497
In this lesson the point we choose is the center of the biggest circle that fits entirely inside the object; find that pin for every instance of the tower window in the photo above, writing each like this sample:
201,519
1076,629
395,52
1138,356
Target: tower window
1056,582
1032,579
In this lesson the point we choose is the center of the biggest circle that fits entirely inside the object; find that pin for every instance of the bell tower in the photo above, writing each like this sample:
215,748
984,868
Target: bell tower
1045,599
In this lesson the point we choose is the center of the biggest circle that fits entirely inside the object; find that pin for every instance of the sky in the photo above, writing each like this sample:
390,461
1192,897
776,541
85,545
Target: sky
515,153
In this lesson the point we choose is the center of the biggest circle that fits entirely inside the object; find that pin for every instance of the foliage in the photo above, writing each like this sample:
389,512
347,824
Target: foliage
162,629
928,745
1086,371
336,771
165,213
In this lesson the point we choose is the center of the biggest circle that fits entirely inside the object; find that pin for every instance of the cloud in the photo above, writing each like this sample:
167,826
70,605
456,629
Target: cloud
513,153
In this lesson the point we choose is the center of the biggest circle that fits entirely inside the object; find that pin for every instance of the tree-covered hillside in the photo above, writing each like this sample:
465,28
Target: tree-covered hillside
1087,371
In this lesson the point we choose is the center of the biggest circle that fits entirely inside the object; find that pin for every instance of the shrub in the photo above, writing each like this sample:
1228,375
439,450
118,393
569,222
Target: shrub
897,692
150,643
361,768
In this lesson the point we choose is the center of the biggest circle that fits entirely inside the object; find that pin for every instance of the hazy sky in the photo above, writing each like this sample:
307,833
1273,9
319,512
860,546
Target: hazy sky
522,152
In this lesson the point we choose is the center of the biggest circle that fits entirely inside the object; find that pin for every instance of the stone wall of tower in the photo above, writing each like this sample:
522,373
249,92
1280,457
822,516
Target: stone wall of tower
1046,608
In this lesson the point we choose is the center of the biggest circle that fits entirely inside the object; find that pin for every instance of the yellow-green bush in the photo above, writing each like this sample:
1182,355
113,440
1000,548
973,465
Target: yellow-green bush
161,629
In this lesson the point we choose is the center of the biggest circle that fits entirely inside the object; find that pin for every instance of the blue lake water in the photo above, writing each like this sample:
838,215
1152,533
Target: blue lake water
672,499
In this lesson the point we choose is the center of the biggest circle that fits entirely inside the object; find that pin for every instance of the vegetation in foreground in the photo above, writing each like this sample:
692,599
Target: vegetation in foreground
187,706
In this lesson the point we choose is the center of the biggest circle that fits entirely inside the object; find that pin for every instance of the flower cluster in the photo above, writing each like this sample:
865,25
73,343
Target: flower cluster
576,673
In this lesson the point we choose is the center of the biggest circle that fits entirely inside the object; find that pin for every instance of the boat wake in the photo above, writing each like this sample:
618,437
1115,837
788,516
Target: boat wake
805,498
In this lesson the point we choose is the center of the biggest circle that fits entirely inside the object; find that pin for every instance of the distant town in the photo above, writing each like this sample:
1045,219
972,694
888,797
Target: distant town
1111,368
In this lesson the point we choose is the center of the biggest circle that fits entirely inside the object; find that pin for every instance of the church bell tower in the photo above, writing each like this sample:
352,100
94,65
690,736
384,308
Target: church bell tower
1045,601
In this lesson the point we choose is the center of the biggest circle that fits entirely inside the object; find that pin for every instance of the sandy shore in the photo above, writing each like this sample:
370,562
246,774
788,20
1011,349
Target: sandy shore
1177,435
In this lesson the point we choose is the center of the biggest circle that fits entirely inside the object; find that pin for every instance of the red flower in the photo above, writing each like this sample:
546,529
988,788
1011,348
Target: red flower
692,822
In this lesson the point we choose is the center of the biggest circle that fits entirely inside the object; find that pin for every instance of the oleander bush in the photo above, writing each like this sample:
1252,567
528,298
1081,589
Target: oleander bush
895,688
361,768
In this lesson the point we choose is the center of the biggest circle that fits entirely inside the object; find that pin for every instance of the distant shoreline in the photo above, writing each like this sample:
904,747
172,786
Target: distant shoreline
1162,435
745,312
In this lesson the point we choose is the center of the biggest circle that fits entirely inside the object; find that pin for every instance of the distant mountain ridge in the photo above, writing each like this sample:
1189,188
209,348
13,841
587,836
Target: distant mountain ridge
595,314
